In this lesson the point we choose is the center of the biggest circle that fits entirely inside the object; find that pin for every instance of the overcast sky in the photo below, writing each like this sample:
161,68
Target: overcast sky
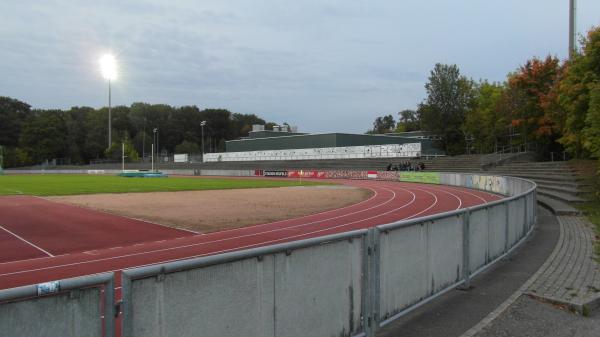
321,65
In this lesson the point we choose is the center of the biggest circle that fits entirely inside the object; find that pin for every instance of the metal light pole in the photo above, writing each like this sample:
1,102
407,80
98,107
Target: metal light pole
122,157
202,124
109,116
153,148
572,27
144,142
108,67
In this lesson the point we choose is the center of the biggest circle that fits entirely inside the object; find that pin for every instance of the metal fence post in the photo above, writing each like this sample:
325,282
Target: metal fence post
109,307
371,293
376,258
466,249
126,306
367,280
525,218
535,205
507,223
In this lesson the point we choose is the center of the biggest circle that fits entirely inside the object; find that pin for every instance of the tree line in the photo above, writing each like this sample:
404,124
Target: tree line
80,134
552,104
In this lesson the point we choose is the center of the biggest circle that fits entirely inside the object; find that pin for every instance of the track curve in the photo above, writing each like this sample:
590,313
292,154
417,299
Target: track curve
390,202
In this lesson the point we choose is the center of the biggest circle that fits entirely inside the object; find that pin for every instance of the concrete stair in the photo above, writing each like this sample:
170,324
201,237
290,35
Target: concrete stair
559,187
557,207
570,198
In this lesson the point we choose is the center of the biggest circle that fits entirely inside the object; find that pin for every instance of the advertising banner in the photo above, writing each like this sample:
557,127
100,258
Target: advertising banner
420,177
181,158
269,173
307,174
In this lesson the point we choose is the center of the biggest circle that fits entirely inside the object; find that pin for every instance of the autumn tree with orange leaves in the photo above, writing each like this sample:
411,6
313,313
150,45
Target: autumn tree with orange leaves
528,92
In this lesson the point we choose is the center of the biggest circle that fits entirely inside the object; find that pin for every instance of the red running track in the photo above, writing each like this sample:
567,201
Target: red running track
42,241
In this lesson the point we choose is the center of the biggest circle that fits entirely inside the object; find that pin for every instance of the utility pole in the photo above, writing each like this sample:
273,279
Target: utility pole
572,27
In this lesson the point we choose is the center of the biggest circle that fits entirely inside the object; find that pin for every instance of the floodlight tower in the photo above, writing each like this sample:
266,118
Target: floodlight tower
572,27
108,67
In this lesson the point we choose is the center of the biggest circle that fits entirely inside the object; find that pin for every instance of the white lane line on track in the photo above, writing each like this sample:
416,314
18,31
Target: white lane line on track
242,247
222,240
452,194
114,214
27,242
465,190
426,209
470,193
375,194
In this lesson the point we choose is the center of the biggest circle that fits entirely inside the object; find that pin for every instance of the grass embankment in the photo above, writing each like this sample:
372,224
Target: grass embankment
589,171
63,184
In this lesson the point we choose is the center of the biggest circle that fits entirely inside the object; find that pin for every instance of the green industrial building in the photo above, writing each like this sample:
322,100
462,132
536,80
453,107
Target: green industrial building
276,140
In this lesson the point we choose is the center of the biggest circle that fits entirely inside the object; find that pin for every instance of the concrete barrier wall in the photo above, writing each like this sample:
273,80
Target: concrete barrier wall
312,289
417,261
79,307
423,258
60,315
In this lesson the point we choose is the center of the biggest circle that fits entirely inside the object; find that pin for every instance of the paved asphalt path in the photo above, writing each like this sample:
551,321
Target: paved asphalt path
457,311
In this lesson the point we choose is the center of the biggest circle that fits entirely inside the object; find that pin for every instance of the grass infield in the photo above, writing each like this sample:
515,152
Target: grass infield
63,184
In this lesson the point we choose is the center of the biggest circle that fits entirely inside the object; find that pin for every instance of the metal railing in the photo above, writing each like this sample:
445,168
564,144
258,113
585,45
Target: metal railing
345,284
506,152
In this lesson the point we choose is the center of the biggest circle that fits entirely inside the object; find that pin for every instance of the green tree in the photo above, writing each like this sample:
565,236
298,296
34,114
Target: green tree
241,124
12,115
115,152
485,122
591,131
582,74
449,97
187,147
96,137
218,126
383,124
409,121
44,135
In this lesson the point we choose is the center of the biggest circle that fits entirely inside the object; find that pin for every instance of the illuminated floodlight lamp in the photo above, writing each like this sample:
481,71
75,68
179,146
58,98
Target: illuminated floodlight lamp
108,67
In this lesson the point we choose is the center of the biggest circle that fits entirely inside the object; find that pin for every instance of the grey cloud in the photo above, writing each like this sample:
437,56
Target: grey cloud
326,65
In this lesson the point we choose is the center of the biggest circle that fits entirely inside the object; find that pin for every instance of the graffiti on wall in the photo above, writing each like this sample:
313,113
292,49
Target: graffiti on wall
487,183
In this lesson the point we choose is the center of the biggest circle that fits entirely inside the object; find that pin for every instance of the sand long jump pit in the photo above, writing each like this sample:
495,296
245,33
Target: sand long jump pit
214,210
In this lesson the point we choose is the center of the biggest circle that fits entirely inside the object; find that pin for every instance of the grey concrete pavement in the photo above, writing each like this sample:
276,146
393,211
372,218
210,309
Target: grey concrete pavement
458,311
528,317
571,275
